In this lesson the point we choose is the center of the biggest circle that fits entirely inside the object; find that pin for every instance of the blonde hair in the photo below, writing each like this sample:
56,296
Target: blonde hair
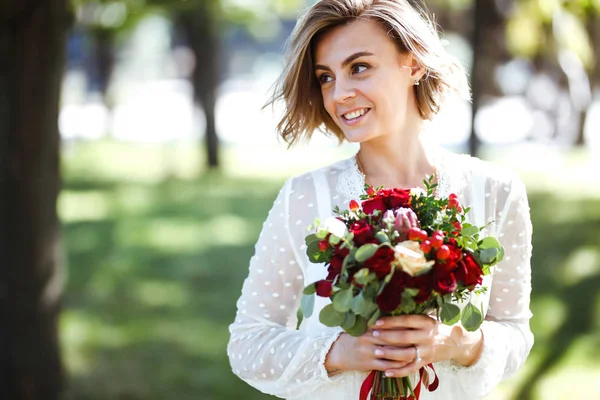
406,22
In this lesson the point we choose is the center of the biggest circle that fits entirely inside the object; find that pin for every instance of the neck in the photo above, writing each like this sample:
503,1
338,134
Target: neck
396,160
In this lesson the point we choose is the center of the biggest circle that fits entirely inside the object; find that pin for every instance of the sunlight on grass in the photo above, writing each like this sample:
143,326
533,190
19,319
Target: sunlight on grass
165,234
134,200
548,315
134,162
81,333
570,382
160,294
196,336
228,229
91,205
584,263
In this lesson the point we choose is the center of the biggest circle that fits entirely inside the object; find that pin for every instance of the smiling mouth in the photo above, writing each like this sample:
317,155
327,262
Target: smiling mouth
355,115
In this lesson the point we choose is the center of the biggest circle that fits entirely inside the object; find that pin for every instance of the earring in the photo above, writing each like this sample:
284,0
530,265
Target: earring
417,82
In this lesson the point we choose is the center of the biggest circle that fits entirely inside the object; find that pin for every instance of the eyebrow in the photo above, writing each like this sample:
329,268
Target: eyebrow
347,61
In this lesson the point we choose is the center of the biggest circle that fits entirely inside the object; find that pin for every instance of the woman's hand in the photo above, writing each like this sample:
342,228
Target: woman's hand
391,346
362,353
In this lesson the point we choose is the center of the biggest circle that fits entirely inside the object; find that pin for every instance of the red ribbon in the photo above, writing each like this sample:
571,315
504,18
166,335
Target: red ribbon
367,385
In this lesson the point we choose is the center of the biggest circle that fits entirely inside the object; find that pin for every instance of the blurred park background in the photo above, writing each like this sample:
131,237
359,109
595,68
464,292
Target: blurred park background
137,168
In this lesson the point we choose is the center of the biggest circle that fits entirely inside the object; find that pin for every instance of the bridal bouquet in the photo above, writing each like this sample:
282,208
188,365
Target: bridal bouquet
399,251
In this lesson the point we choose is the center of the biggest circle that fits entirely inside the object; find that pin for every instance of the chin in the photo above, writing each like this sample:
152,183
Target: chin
358,136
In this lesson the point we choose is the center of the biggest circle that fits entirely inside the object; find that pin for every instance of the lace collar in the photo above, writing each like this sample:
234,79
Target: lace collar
351,181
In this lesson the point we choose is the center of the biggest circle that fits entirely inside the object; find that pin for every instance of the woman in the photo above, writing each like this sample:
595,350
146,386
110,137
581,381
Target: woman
371,72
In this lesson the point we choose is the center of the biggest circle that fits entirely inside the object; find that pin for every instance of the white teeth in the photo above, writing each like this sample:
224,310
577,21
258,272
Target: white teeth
355,114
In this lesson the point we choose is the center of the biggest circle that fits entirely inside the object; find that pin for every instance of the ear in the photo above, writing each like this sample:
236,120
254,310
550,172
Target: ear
417,71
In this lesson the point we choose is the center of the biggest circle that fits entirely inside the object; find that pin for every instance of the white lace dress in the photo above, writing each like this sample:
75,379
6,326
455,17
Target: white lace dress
267,352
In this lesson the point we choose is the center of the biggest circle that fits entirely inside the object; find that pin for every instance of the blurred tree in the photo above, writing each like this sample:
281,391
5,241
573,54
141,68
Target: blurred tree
556,35
32,45
203,23
483,24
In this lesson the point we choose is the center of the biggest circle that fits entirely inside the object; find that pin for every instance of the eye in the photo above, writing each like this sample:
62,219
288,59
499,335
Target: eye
324,78
358,68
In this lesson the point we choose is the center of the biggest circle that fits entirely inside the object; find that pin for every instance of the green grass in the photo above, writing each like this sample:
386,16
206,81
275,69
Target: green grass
157,254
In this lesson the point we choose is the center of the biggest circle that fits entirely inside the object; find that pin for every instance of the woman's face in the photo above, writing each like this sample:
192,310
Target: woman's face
367,85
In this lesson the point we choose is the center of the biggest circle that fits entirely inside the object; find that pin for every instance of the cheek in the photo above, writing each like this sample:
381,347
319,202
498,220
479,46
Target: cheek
328,103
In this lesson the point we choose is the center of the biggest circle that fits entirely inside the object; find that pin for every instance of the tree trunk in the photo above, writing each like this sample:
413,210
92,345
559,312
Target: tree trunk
593,29
201,31
32,42
488,51
105,59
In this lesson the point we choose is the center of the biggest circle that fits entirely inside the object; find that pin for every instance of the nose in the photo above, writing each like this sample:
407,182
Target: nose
343,91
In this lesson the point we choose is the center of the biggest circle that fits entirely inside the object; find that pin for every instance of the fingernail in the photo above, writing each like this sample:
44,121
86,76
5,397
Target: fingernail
379,323
376,333
378,352
389,373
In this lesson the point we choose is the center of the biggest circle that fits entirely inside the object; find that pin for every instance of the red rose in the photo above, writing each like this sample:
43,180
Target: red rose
423,283
444,282
381,262
391,296
335,266
468,271
376,203
339,251
362,232
324,288
398,198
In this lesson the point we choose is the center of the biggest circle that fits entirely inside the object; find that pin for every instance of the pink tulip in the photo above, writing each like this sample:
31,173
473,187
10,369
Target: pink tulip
405,219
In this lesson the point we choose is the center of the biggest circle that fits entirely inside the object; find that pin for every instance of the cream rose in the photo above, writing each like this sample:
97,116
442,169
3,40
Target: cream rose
411,259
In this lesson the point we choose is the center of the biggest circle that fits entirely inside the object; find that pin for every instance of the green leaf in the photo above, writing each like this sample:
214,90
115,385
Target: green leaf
489,243
500,255
450,313
311,238
408,303
488,256
362,276
382,237
334,240
349,321
330,317
365,252
469,230
374,317
470,243
308,304
310,289
342,300
363,306
322,233
471,318
313,252
359,328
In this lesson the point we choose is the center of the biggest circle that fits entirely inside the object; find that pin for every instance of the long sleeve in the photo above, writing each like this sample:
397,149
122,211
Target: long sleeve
507,336
264,349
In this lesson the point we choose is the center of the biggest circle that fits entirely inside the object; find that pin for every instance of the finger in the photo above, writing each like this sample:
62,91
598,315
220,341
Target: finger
413,366
402,337
405,355
414,321
387,365
406,370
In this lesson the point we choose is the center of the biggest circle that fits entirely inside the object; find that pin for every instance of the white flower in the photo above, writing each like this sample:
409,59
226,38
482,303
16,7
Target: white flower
335,227
418,192
411,258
